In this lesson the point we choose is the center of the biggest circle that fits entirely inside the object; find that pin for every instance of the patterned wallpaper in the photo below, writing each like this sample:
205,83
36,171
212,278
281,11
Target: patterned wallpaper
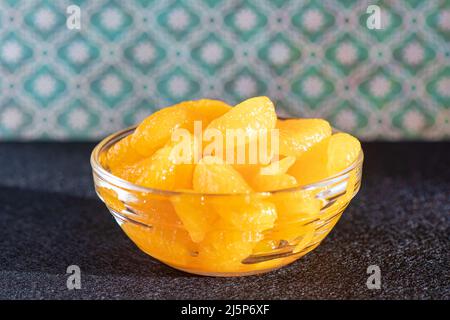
313,58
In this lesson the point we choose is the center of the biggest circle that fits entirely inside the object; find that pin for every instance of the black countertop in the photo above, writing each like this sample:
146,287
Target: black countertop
51,218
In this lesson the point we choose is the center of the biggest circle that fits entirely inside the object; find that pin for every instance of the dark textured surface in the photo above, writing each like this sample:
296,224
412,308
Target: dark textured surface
50,218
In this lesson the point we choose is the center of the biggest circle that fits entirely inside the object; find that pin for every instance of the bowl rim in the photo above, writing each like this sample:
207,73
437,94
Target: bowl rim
107,176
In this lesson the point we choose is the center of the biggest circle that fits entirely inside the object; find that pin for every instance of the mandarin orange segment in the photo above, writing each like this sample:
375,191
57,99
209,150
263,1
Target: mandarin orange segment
291,232
247,171
224,250
212,175
164,171
155,210
273,182
206,110
154,131
266,246
243,213
195,213
298,135
326,158
245,133
122,154
343,151
273,177
250,116
284,239
278,167
296,205
170,245
243,154
132,172
111,198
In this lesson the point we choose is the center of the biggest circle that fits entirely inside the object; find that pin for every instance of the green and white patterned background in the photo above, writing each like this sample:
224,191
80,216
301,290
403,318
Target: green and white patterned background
313,58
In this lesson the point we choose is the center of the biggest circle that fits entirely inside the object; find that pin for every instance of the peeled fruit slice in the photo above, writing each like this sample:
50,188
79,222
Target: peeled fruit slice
132,172
156,130
196,215
224,250
278,167
272,183
212,175
154,210
247,171
206,110
298,135
273,176
122,154
170,245
250,116
292,237
164,172
111,198
295,206
245,213
326,158
290,232
243,133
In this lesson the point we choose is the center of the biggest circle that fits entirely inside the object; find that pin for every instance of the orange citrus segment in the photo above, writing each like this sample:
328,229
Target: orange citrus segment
294,206
278,167
286,238
111,198
343,151
248,171
273,182
156,130
211,175
224,250
243,213
206,110
326,158
298,135
155,210
197,217
164,172
131,172
273,176
121,154
169,245
250,116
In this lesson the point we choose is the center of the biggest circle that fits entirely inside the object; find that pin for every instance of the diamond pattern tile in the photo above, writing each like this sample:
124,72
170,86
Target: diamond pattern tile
313,58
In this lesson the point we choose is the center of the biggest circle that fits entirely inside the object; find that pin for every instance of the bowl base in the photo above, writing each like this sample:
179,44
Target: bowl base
225,274
294,257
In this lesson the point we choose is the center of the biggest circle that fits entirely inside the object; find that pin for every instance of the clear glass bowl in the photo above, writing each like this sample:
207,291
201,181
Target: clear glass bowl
224,235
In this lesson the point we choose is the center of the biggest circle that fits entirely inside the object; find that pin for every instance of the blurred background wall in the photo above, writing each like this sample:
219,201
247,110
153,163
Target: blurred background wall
313,58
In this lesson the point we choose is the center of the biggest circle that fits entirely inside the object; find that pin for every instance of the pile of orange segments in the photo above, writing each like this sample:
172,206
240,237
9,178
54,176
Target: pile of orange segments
193,227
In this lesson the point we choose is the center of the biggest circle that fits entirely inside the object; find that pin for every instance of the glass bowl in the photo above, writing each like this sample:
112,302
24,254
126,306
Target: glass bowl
224,235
